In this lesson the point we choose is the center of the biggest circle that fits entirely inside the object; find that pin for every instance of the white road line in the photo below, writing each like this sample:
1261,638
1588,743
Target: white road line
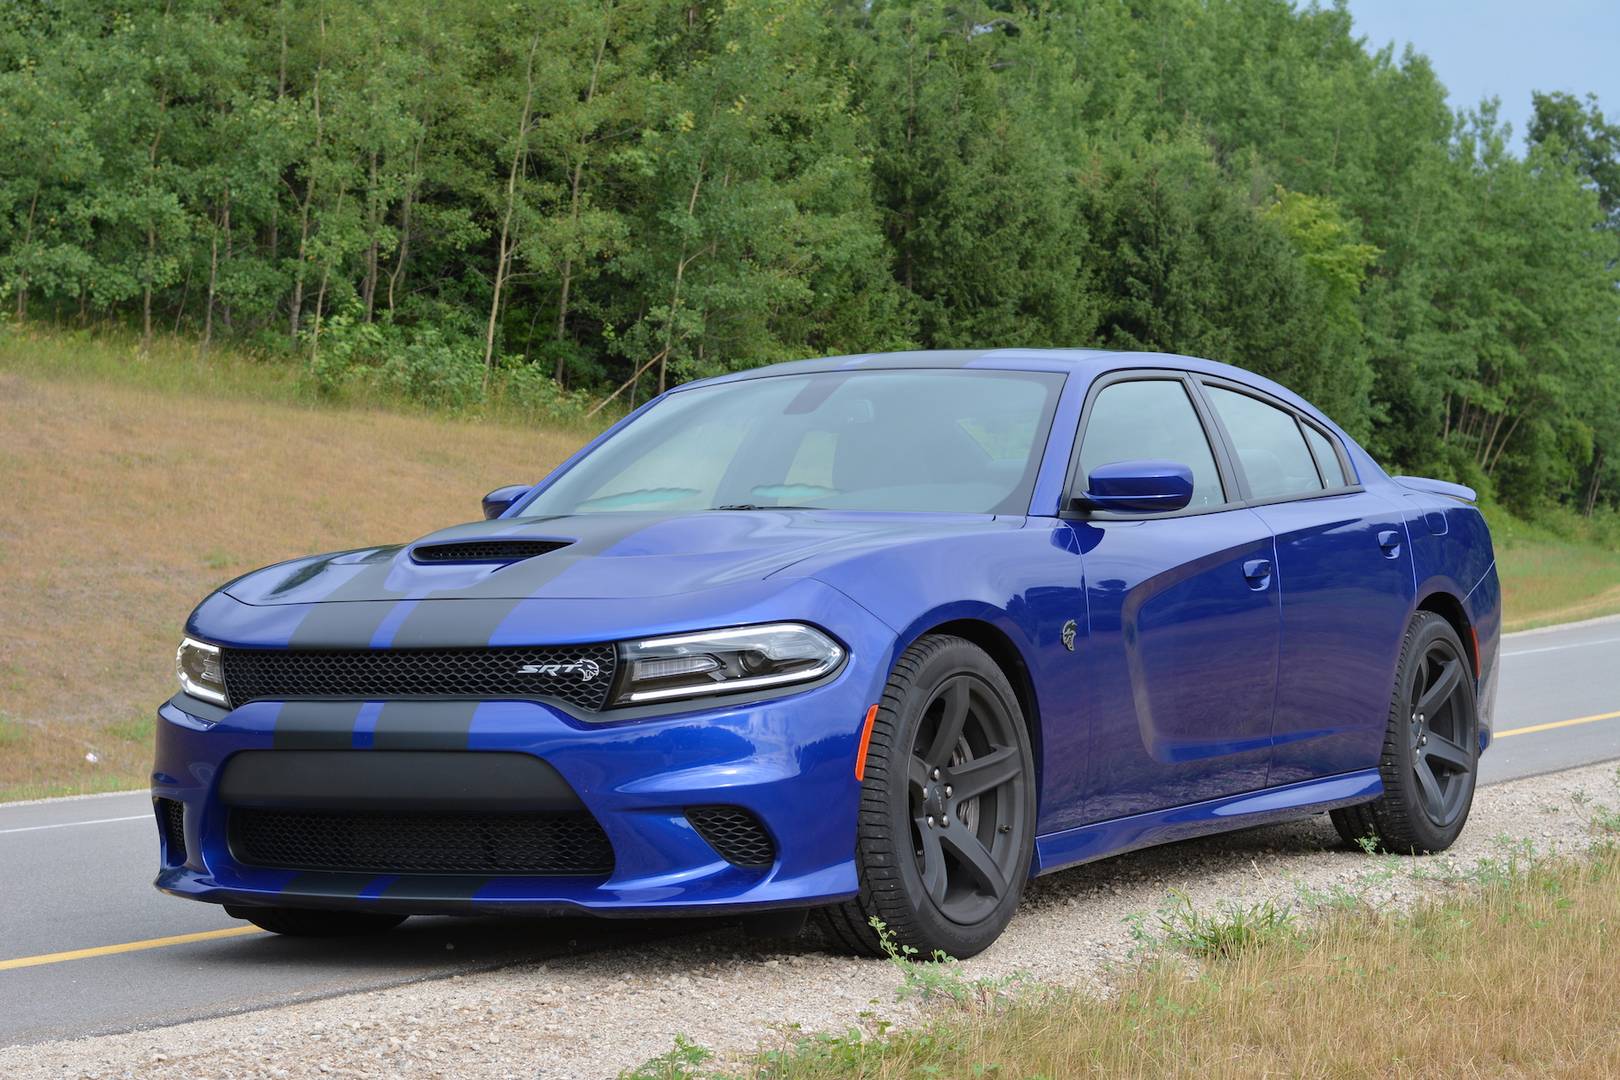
67,824
1558,648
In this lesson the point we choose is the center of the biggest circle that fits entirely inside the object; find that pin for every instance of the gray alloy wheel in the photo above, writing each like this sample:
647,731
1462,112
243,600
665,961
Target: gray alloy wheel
947,817
1431,747
312,922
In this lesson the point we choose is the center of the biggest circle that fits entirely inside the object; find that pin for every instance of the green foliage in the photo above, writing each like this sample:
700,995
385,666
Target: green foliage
680,1062
1227,931
544,202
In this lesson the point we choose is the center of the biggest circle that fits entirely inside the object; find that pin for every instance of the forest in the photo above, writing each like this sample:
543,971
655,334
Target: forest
579,201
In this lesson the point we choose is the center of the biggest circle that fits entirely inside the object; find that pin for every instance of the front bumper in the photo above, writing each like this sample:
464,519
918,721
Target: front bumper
788,761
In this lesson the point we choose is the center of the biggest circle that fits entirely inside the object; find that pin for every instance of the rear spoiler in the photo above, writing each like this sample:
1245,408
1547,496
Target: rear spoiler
1438,487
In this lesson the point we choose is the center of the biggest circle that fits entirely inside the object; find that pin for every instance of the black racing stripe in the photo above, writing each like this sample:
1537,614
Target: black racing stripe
328,883
424,725
435,887
478,612
332,622
316,725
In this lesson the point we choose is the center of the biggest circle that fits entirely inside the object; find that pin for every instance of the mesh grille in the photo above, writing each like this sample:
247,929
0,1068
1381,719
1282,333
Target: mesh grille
553,844
560,672
485,550
172,813
735,833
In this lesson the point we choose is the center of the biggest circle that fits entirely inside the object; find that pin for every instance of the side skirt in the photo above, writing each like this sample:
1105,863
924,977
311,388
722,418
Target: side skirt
1104,838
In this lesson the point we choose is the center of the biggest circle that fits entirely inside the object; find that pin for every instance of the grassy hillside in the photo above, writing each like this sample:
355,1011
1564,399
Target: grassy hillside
134,483
132,487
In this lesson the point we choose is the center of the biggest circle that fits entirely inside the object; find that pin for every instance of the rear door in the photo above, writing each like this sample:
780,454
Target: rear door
1344,566
1180,662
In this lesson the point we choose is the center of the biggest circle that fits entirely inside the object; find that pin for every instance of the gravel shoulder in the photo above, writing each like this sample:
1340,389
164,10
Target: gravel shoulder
595,1014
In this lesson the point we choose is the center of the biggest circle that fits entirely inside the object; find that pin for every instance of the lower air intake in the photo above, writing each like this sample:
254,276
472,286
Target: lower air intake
471,843
735,833
172,818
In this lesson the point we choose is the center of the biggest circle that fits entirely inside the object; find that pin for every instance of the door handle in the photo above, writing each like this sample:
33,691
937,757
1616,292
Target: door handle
1390,541
1258,573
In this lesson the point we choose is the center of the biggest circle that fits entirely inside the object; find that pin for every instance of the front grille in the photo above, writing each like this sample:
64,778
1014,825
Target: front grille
504,551
579,674
552,844
172,815
735,833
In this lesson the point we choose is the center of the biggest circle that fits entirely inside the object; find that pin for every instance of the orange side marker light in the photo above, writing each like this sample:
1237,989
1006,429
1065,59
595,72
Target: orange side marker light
866,740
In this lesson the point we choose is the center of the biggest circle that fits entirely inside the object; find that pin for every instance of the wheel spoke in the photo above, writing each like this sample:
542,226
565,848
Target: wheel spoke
975,858
1433,800
955,700
986,773
1454,757
1441,688
933,862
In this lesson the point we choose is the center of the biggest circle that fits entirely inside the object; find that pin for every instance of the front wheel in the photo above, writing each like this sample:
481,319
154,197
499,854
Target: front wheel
310,922
1431,748
947,815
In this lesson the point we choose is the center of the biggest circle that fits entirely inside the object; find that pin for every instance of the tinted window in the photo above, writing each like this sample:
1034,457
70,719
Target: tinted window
926,440
1269,446
1150,420
1326,459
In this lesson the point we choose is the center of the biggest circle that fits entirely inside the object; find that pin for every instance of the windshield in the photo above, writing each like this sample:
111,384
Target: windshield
920,440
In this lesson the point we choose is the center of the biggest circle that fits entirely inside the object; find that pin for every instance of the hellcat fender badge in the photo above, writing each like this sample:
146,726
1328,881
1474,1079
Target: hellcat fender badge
585,669
1068,634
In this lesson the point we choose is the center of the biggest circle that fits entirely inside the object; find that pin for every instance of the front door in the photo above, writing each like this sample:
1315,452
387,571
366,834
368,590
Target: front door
1181,659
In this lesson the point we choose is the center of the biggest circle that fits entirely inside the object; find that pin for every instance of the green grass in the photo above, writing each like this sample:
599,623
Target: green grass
1509,974
1563,569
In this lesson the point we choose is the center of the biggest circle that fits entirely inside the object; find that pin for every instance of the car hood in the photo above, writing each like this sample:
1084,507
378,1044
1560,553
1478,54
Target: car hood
597,556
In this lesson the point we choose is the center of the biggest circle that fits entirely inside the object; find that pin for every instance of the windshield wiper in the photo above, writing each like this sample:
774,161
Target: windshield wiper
756,506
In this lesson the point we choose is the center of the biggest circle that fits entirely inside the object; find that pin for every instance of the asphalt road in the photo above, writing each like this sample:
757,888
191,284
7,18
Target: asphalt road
87,946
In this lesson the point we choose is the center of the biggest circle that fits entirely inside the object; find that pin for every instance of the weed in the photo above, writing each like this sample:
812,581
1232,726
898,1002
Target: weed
1227,931
680,1062
940,977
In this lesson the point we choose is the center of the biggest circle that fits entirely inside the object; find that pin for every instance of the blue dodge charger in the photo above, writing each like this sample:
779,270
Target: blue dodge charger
877,638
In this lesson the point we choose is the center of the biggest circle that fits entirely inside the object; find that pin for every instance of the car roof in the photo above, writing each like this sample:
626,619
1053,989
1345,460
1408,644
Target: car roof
1084,363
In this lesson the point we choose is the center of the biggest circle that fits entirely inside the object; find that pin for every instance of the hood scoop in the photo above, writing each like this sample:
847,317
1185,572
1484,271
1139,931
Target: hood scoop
509,550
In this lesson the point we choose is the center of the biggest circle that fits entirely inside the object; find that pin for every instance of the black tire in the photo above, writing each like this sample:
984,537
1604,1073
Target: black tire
311,922
1430,754
934,889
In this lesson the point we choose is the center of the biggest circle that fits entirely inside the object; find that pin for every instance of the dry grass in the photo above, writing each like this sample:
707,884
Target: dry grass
1555,581
1515,979
126,499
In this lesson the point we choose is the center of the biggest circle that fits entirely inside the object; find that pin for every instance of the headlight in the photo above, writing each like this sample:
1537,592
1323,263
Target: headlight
724,662
197,665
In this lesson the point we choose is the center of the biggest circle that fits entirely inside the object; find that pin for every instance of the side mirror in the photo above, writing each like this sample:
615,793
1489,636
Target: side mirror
501,499
1138,487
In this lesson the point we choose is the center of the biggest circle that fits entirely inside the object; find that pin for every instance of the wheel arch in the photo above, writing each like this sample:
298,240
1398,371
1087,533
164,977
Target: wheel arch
1450,607
1004,650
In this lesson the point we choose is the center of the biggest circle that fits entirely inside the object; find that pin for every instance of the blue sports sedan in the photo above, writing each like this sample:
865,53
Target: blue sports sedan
877,638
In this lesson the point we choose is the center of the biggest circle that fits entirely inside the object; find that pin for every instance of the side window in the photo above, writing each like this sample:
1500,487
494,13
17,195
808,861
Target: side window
1150,419
1327,460
1269,446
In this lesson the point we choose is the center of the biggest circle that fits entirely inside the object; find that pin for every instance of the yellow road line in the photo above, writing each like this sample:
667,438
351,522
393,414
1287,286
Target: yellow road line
1533,728
128,946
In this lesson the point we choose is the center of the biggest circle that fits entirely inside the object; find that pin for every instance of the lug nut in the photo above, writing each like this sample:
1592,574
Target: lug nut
930,821
945,821
947,791
935,774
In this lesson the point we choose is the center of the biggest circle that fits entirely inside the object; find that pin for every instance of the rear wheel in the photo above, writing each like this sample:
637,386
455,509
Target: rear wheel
1431,747
311,922
947,815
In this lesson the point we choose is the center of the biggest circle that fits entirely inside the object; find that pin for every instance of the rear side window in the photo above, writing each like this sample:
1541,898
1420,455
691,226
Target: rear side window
1327,460
1150,420
1269,445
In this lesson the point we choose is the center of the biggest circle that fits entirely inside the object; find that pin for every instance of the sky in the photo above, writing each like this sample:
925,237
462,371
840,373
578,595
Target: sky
1505,48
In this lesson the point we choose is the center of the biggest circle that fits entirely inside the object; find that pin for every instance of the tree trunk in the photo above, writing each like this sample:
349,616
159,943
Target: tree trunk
213,272
573,206
28,239
503,252
297,304
675,293
369,289
397,275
